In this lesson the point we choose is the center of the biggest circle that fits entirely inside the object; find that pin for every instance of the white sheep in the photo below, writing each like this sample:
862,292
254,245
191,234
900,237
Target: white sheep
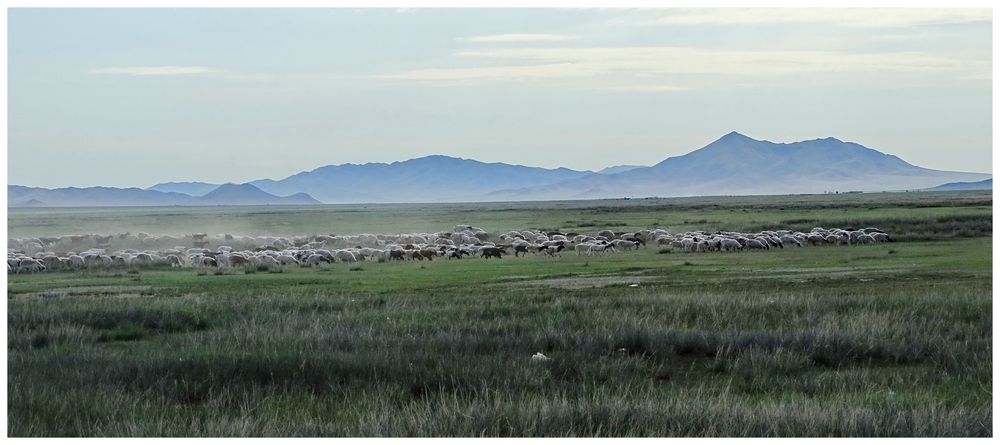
625,245
29,265
789,239
286,260
345,256
315,259
540,358
174,261
880,237
266,261
729,245
865,238
52,262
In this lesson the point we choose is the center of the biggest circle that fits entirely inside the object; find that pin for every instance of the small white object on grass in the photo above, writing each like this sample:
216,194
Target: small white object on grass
540,358
634,285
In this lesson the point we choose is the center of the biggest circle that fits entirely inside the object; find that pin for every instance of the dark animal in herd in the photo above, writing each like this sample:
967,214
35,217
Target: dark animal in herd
429,254
552,250
492,252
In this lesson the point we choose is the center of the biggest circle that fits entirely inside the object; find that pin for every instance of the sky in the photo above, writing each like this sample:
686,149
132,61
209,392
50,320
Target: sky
134,97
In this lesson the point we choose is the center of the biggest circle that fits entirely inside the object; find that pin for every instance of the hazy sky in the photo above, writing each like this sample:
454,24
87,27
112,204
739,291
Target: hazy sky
135,97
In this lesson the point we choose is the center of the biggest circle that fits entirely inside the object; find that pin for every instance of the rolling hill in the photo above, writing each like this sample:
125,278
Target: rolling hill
986,184
427,179
187,188
618,169
226,194
248,194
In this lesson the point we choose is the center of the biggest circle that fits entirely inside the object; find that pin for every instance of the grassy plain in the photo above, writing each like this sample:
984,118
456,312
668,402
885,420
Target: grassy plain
886,340
923,212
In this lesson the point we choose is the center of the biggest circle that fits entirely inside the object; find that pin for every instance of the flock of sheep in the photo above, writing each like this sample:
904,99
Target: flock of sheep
74,252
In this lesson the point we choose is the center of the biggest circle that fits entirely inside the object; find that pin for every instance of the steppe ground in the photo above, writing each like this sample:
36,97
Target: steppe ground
886,340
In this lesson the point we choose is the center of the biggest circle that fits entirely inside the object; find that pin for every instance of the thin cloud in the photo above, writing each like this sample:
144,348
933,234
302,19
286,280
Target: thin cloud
625,66
904,36
686,60
648,88
167,70
849,17
475,75
502,38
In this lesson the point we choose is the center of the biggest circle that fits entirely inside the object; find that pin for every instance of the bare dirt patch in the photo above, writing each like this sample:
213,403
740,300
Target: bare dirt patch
93,291
589,281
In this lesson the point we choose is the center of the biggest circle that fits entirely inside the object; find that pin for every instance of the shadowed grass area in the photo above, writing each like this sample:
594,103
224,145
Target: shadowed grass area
885,340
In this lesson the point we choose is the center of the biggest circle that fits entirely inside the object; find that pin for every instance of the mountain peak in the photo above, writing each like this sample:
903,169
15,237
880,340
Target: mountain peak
734,136
187,188
247,193
829,139
230,188
233,185
434,158
438,157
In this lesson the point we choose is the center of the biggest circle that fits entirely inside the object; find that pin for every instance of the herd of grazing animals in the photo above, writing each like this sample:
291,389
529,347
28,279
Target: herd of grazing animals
125,250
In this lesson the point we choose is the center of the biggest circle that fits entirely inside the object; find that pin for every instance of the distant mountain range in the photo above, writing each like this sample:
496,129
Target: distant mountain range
738,165
618,169
986,184
430,178
732,165
226,194
187,188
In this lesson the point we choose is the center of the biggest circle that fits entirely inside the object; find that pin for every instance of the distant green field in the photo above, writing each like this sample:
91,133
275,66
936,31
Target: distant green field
677,214
885,340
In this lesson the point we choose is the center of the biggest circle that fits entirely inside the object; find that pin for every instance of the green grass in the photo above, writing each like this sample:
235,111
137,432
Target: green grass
907,212
886,340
